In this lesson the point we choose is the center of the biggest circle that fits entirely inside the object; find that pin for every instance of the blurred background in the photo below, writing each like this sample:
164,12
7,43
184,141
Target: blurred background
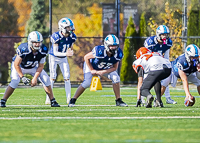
132,21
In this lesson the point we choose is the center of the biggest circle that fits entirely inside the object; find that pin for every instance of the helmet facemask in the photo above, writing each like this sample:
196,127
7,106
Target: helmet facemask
162,30
35,37
66,26
192,54
111,40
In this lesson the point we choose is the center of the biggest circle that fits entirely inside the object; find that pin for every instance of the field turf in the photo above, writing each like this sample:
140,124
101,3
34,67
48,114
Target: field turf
96,118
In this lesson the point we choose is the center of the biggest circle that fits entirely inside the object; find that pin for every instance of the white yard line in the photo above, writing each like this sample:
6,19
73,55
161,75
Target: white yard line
96,118
60,105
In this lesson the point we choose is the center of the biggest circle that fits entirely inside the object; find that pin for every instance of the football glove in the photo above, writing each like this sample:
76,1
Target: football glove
139,101
25,80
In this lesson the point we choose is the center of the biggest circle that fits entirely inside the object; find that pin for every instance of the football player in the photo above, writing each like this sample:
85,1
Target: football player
62,47
153,68
102,60
30,59
185,68
161,43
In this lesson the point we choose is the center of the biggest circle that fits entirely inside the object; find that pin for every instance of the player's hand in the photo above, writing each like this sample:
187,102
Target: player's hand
101,73
69,52
93,72
33,82
138,104
26,80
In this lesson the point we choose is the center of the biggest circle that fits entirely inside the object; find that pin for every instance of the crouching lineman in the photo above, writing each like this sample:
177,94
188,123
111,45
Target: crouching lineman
185,68
30,59
156,69
103,59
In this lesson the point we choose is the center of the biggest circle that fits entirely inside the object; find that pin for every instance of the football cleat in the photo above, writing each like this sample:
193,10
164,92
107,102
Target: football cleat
149,101
3,103
158,104
119,102
170,101
72,102
54,103
143,101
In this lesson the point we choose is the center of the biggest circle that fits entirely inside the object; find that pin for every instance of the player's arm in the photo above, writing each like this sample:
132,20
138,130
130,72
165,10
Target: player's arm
109,70
87,58
60,54
38,71
17,63
184,79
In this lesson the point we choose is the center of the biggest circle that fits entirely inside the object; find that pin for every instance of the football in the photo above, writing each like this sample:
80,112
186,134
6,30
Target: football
190,101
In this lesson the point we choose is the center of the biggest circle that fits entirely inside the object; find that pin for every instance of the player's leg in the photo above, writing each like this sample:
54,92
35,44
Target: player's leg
116,88
64,67
165,89
15,79
53,61
193,78
86,83
45,80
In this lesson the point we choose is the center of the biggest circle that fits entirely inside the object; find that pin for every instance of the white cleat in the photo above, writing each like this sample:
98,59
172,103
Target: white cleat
170,101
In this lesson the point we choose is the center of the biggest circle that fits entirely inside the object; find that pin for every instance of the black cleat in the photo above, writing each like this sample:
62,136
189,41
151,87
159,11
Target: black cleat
139,102
54,103
149,101
72,102
3,103
119,102
158,104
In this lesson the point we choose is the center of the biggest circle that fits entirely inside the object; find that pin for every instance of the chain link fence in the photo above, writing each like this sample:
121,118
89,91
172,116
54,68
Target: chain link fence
90,19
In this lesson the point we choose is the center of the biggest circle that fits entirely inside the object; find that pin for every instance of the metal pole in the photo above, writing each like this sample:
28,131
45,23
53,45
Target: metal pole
184,34
50,21
118,17
118,27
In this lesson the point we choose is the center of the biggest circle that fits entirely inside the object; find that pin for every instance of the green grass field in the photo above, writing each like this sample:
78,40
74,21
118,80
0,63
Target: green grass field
96,118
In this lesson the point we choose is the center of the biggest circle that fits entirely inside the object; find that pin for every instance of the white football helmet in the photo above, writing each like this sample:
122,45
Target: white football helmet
191,51
162,29
109,41
35,36
64,23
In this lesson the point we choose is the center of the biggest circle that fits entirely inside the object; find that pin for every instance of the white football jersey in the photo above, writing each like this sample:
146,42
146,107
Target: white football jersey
151,62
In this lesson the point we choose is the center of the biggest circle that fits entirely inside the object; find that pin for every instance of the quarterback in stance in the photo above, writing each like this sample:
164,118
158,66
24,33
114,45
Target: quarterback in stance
156,69
185,67
30,59
62,45
161,43
102,60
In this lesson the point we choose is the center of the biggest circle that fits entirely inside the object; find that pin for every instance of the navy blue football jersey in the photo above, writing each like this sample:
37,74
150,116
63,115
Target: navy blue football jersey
182,64
102,60
152,44
30,60
63,42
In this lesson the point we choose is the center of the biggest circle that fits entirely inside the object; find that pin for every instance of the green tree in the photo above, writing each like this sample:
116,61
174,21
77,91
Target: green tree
143,29
37,19
194,23
8,20
130,47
